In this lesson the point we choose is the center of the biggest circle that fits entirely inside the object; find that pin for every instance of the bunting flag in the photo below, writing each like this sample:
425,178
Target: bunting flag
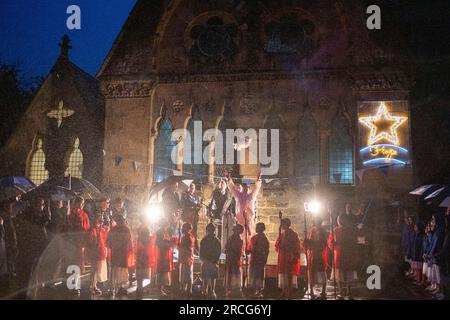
337,177
136,165
118,160
176,173
384,170
360,173
292,181
268,180
315,180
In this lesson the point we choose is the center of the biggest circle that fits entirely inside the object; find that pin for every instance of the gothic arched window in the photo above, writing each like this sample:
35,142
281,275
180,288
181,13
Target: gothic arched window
75,163
163,165
219,168
193,150
275,123
341,164
37,172
308,154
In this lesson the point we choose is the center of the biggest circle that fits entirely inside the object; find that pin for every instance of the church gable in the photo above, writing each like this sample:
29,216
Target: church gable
202,37
67,108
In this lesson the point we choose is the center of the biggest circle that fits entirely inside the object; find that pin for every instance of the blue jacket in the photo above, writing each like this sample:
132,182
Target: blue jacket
417,247
436,242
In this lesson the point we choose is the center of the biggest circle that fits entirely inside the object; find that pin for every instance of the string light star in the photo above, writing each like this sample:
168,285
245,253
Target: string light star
383,115
60,113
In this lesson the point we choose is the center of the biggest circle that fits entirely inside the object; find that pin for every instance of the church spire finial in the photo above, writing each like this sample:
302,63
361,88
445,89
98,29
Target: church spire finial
65,46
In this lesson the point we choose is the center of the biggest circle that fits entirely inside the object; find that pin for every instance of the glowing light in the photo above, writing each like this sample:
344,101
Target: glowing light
385,152
384,161
372,122
153,213
313,207
369,148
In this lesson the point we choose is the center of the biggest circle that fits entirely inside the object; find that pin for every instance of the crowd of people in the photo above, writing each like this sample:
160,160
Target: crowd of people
40,244
426,249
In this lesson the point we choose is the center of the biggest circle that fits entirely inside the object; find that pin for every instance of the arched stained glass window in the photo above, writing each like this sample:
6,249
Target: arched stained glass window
75,163
37,172
308,152
163,165
275,123
194,165
219,168
341,164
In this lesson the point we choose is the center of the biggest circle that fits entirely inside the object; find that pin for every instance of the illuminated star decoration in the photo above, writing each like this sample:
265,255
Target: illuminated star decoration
390,134
60,113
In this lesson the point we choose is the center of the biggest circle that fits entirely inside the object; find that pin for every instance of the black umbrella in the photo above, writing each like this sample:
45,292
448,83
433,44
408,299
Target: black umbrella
11,187
159,188
21,183
54,193
81,187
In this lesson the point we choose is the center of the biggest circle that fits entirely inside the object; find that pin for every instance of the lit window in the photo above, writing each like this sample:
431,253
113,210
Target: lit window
275,123
75,164
220,168
341,154
308,154
37,172
191,169
163,166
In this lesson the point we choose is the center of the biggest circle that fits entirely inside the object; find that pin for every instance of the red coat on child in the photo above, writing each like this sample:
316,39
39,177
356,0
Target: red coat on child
78,228
288,248
316,245
96,245
145,249
120,244
164,244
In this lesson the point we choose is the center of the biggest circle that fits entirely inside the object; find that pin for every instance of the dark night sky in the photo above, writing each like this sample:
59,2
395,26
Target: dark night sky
31,30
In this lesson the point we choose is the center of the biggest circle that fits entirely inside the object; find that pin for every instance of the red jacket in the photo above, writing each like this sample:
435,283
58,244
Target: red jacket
96,246
145,249
164,245
288,248
120,244
316,245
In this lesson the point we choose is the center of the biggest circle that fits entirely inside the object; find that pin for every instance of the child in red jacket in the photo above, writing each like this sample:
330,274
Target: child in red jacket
186,259
96,250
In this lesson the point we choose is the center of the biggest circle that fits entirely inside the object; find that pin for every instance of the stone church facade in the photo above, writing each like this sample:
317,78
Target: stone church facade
308,68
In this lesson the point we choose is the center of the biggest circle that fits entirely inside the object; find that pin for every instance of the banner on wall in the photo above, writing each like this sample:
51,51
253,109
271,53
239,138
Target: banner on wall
384,133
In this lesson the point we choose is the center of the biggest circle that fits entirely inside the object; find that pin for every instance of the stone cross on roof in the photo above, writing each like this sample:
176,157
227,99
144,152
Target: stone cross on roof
65,46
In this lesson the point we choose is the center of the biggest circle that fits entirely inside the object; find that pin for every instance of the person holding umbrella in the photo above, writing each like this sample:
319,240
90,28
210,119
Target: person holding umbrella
31,239
6,214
